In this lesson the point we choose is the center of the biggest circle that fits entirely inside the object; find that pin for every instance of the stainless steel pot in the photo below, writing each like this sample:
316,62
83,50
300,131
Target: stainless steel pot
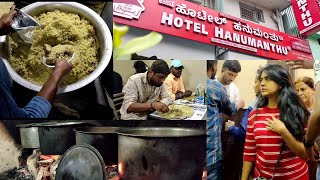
57,137
29,135
104,139
161,153
100,26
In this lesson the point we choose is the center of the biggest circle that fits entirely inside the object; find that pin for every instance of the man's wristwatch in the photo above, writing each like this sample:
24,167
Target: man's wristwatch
306,143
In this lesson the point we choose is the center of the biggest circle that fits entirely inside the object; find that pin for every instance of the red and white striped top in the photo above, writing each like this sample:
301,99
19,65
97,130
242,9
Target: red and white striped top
263,147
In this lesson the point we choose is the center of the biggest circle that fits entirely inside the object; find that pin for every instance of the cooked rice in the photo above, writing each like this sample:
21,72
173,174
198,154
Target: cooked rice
57,28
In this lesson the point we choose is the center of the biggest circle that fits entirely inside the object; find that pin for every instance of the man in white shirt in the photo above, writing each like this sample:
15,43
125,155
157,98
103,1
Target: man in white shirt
229,72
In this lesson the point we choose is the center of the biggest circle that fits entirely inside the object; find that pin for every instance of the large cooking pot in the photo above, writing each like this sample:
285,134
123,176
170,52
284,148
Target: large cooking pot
57,137
103,34
161,153
104,139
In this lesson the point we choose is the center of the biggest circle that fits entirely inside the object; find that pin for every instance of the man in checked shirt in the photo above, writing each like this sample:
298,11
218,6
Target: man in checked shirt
143,90
217,103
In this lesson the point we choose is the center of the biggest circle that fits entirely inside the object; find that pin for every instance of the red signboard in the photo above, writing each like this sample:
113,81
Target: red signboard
191,21
307,15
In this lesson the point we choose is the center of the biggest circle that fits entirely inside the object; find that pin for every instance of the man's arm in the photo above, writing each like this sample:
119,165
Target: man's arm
229,108
217,95
240,132
40,105
49,89
297,64
180,95
240,102
168,86
246,169
130,104
130,100
165,97
314,121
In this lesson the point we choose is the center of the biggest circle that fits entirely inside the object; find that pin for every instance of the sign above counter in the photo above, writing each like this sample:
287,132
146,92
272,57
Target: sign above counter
194,22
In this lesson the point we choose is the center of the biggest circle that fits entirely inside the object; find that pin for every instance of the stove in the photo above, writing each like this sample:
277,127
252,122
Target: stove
112,172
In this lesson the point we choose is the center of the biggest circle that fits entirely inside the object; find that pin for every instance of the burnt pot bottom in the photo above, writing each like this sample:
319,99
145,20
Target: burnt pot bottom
161,158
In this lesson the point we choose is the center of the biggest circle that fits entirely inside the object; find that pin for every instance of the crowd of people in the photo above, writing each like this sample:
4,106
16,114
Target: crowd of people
279,128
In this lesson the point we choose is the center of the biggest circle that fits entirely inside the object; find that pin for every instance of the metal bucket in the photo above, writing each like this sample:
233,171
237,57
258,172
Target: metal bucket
57,137
161,153
103,34
29,135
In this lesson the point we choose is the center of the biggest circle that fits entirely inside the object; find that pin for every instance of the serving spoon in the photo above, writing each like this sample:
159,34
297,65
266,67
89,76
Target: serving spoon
44,61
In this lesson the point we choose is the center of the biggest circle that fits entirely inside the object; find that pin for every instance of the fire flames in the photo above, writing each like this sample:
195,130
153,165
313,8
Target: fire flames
120,170
204,175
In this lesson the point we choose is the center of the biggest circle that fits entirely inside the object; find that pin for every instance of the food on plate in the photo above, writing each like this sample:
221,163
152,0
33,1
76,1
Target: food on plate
178,112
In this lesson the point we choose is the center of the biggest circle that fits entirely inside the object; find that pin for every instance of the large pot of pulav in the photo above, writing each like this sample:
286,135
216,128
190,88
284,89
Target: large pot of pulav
66,28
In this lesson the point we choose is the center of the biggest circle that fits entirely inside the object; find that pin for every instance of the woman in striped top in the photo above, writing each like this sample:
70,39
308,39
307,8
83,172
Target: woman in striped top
275,130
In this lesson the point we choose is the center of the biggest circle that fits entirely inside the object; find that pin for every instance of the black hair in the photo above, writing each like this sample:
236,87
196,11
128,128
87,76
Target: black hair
232,65
210,63
140,67
293,112
160,66
259,71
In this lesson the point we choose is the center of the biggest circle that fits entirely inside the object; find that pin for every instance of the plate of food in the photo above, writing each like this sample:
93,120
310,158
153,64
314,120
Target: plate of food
178,112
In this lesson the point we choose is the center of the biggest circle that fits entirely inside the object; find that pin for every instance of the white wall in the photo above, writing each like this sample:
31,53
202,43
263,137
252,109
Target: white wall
232,7
172,47
303,72
240,56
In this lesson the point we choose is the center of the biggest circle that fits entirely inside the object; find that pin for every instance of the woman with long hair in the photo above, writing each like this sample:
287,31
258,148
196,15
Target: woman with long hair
275,130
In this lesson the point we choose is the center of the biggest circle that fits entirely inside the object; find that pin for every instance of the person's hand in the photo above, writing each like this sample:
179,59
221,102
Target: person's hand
316,152
62,68
275,125
241,104
188,93
310,154
159,106
179,92
313,153
228,124
5,23
300,64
